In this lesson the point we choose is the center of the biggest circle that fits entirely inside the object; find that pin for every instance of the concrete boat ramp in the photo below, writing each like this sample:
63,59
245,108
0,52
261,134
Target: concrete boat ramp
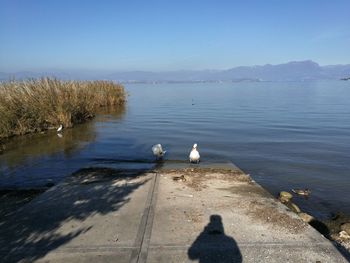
174,213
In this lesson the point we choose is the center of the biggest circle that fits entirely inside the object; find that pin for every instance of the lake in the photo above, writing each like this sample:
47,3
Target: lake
284,134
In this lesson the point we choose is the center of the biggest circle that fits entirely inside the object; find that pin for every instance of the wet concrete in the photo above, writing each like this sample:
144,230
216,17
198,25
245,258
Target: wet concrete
178,213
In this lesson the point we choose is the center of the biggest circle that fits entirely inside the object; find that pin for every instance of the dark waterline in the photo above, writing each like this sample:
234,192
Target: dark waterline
286,135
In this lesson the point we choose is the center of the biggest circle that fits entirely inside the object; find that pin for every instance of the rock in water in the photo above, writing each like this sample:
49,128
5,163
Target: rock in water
344,235
306,217
284,196
293,207
345,227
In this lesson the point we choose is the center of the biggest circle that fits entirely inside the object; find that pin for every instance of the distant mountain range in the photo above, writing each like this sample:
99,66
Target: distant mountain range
291,71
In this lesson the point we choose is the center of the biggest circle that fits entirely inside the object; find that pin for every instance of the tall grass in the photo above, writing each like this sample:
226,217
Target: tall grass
42,104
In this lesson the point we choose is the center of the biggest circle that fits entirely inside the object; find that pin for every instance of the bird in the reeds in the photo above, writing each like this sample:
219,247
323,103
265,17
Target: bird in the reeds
158,151
194,154
60,128
304,192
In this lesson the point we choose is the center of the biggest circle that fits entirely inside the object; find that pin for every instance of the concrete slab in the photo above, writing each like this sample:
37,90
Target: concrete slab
90,217
177,213
178,165
216,216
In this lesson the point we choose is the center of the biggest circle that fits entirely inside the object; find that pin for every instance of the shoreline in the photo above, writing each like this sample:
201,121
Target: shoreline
196,192
11,200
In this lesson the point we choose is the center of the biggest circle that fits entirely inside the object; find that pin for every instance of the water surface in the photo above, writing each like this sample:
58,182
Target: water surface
286,135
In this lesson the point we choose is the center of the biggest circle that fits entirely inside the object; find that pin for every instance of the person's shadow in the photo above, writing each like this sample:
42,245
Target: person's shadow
212,245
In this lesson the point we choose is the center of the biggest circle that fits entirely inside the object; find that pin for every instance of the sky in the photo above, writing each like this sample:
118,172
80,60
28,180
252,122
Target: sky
170,35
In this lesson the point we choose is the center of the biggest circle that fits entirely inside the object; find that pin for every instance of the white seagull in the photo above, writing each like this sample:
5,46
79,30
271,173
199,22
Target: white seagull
60,128
158,150
194,154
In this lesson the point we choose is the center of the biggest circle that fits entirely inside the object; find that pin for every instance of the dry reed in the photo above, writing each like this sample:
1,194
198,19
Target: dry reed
36,105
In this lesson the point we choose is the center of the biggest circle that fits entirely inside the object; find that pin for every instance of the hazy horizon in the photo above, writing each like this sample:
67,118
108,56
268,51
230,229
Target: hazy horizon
291,71
164,71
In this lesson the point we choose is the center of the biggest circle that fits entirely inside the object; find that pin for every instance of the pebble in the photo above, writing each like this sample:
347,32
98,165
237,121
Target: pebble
306,217
344,235
294,208
285,196
345,227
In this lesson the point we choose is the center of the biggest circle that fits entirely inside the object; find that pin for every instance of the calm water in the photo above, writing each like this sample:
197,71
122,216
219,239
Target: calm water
286,135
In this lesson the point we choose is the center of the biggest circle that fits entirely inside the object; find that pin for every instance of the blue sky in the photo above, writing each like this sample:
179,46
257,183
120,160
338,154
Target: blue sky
170,35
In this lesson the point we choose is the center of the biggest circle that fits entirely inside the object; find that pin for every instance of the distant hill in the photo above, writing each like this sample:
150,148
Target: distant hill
291,71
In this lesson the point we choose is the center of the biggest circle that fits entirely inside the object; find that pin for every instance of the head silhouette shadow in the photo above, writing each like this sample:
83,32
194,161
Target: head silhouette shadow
213,245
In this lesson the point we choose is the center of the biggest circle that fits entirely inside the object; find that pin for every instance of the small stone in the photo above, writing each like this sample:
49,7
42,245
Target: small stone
284,200
293,207
285,196
306,217
345,227
344,235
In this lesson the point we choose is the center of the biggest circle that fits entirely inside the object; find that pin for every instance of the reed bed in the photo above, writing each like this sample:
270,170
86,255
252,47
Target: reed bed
41,104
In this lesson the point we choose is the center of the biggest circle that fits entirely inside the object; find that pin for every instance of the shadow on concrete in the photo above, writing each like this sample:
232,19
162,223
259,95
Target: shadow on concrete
34,229
212,245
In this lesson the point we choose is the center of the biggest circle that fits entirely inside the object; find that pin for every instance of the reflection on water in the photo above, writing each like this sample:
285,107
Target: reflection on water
36,159
285,134
25,148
